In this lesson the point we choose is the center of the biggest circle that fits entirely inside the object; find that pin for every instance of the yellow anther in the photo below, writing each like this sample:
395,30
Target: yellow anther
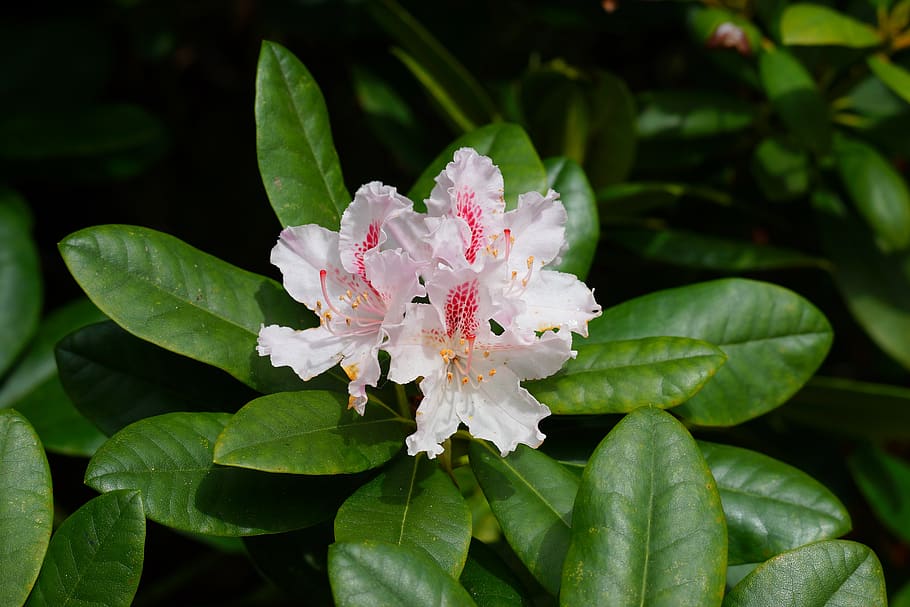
492,372
480,378
464,380
486,354
318,305
530,261
355,304
347,321
449,376
328,316
514,274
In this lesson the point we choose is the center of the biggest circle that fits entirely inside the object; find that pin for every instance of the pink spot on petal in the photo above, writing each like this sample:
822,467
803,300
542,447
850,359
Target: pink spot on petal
369,242
461,310
468,209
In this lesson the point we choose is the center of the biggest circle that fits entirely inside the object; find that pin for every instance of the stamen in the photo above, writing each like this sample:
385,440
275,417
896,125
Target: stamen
508,238
492,372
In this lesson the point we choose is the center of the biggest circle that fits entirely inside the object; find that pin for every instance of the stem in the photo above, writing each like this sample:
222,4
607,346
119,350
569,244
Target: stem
404,407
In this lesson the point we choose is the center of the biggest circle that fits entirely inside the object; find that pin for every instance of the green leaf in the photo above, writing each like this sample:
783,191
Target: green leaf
703,22
773,338
833,572
795,98
877,189
770,507
636,198
619,376
781,169
311,432
26,507
412,503
895,77
902,597
815,25
531,496
101,367
365,574
489,580
297,160
875,285
511,150
169,459
95,557
692,114
852,408
295,561
885,482
186,301
648,527
582,224
700,251
34,388
453,86
20,298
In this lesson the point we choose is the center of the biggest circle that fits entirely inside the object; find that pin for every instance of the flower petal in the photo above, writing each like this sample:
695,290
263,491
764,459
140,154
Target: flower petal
395,276
308,352
414,344
556,300
301,253
538,229
437,418
363,220
531,359
500,410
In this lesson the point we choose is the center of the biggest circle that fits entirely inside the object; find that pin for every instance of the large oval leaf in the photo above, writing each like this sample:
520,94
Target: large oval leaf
834,572
648,527
510,149
310,432
297,160
95,557
771,507
186,301
169,459
26,507
812,24
34,388
531,496
365,574
773,338
619,376
885,482
582,224
101,366
692,114
20,297
877,189
894,76
795,97
411,503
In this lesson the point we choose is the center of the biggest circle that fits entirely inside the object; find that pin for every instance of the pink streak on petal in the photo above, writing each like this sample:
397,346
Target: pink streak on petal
461,310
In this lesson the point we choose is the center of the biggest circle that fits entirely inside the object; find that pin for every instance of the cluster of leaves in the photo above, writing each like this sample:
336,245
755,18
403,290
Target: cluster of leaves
621,505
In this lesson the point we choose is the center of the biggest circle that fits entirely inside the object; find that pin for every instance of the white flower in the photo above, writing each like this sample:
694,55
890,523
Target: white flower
354,286
470,374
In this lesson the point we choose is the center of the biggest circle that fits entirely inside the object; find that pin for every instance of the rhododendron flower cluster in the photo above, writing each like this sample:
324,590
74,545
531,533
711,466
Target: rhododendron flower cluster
460,297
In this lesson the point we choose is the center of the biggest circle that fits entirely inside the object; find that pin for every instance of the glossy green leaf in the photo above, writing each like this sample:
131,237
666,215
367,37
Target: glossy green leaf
773,338
509,148
531,496
297,159
692,114
412,503
582,224
833,572
101,367
815,25
795,98
852,408
34,388
648,527
619,376
781,169
489,580
365,574
637,198
453,85
26,507
694,250
96,556
885,481
613,138
169,459
451,110
877,189
20,297
770,507
311,432
875,285
895,77
186,301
